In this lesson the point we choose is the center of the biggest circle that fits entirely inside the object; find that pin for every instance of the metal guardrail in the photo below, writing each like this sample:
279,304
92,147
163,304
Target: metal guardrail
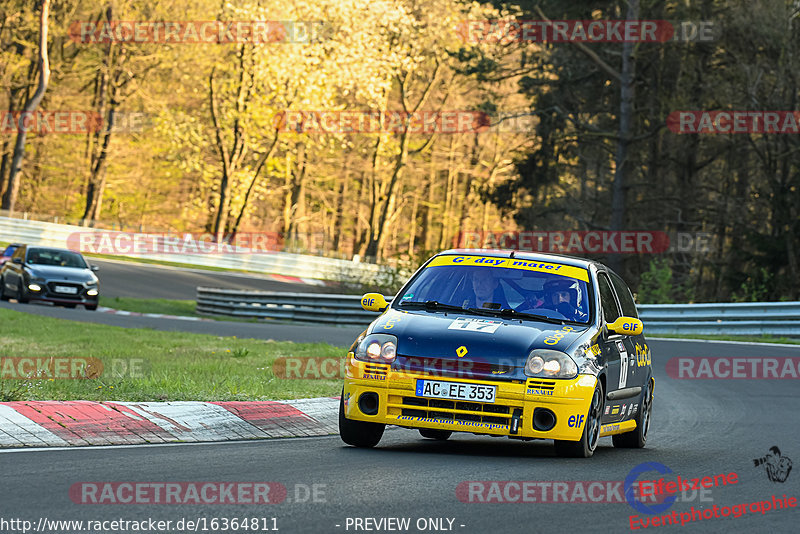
306,307
737,318
284,263
774,318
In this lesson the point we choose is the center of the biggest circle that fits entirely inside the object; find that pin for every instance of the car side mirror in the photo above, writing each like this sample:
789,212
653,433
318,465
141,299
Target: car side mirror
374,302
18,261
626,326
94,268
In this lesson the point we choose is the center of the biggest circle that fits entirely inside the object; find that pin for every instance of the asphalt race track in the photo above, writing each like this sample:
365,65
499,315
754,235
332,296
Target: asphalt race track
128,279
148,281
700,428
342,336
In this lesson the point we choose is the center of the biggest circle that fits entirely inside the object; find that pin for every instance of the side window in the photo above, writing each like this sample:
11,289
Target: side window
625,297
610,311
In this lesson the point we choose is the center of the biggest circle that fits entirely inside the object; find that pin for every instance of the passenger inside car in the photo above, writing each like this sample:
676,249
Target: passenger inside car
486,291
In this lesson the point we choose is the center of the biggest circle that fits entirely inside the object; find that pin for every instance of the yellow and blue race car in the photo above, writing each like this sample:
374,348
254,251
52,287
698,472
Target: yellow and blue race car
503,343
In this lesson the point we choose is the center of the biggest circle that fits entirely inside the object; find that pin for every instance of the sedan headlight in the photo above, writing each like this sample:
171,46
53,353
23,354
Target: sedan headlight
34,287
546,363
92,292
380,348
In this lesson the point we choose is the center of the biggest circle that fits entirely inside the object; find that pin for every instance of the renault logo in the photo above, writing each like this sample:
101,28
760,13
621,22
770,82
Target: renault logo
461,351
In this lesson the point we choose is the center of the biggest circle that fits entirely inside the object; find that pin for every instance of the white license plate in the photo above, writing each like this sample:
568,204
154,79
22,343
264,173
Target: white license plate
454,390
66,289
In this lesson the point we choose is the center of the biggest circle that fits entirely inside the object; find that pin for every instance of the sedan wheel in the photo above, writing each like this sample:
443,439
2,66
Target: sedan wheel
358,433
591,430
22,298
637,438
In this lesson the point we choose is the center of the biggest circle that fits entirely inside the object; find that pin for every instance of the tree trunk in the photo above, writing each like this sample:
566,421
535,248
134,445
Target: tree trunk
10,196
339,217
259,165
626,111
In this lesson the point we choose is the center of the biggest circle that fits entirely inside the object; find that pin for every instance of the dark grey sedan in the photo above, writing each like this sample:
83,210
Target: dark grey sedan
48,274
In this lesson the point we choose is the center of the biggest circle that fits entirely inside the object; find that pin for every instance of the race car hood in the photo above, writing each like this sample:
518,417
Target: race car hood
54,272
491,346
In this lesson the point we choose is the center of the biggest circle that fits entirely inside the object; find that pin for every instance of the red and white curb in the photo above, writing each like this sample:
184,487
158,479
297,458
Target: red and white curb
75,423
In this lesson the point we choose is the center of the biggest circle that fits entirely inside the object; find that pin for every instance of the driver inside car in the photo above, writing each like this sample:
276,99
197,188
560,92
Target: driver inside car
562,296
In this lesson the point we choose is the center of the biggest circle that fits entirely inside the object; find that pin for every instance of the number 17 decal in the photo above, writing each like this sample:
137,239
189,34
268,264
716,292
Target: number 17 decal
623,365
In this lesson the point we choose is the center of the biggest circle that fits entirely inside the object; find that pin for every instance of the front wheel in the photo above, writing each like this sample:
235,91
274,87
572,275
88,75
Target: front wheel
637,438
91,307
3,289
22,298
439,435
358,433
591,430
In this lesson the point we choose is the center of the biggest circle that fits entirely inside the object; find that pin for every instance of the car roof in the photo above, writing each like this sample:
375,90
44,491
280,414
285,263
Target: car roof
573,261
54,249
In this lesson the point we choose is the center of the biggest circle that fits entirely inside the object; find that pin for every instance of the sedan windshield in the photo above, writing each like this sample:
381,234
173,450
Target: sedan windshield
58,258
502,286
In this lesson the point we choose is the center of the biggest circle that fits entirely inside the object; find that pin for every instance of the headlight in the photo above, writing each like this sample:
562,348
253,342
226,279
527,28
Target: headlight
34,287
381,348
545,363
92,292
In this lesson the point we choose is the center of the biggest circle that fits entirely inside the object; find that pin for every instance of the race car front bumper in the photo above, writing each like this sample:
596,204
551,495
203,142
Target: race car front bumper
534,408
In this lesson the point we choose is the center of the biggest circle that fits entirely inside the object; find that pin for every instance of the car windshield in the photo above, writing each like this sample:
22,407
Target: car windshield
502,286
59,258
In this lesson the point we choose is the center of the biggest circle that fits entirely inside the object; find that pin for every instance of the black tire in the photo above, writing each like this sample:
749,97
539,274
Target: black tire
637,438
591,430
3,289
358,433
91,307
21,297
439,435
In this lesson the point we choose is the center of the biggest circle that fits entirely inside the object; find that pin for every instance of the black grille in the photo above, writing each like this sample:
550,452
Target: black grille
541,384
445,410
375,369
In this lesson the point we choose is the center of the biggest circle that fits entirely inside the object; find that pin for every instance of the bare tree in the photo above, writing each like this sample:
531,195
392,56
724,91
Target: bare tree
10,197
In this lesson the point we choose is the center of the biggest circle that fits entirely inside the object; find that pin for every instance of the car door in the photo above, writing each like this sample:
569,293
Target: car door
612,346
13,273
636,346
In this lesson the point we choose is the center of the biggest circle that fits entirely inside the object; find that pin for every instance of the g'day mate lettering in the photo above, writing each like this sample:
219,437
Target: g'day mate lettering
512,263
